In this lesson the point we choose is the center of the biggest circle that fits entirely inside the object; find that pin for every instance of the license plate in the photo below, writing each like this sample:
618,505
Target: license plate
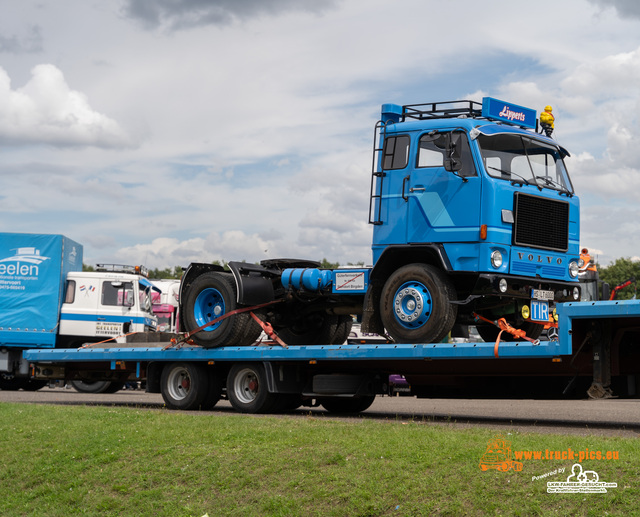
539,294
539,310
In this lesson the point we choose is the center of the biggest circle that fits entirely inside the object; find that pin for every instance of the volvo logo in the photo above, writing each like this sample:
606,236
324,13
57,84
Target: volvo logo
538,258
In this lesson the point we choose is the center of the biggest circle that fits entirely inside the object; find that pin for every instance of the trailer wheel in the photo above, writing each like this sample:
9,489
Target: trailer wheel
210,296
91,387
247,389
347,405
184,385
415,304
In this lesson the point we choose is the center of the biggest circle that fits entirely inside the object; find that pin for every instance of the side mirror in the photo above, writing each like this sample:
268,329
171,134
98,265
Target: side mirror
453,155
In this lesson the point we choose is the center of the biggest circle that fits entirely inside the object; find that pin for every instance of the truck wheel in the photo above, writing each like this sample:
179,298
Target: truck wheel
32,384
91,387
210,296
247,389
415,304
184,385
343,329
347,405
317,329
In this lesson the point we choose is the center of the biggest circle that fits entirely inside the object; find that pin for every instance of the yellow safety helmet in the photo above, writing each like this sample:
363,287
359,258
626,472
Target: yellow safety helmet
548,108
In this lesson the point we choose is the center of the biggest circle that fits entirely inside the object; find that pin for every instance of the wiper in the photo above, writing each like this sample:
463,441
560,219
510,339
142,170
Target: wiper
514,182
552,183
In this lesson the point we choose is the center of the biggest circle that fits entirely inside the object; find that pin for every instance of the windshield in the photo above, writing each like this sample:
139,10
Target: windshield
145,298
519,159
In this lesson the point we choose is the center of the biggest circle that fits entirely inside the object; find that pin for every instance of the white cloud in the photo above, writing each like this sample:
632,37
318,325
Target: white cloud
47,111
257,128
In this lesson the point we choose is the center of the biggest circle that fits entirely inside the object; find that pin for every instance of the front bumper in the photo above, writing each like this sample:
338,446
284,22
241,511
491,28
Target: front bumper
521,287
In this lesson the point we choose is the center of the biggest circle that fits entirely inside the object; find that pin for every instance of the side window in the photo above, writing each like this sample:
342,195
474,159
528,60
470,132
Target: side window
117,293
396,152
433,149
70,294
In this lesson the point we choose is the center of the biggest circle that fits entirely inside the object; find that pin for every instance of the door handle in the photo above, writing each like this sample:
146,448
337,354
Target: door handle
404,182
417,189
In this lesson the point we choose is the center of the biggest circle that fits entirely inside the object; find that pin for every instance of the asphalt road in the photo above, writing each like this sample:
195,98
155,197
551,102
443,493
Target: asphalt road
613,417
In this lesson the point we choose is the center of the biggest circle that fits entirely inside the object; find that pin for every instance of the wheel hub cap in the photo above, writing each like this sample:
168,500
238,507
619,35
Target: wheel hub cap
209,306
412,305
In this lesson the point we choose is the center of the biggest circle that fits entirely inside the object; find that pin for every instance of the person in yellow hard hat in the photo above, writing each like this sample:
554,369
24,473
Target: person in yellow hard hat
546,120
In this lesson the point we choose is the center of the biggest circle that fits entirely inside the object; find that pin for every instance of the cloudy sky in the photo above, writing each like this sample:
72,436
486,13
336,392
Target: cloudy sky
174,131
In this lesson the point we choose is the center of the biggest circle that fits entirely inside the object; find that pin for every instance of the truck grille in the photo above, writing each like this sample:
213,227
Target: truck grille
541,223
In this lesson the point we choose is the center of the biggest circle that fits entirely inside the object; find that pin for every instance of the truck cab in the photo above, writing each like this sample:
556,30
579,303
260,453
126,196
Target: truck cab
109,302
471,194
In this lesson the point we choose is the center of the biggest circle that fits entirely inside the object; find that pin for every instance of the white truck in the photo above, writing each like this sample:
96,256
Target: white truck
47,301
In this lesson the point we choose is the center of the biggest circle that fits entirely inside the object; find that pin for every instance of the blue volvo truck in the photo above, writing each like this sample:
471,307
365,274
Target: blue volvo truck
474,220
474,217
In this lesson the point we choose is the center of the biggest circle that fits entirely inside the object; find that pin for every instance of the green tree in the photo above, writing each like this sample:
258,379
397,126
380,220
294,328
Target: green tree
325,264
166,273
620,271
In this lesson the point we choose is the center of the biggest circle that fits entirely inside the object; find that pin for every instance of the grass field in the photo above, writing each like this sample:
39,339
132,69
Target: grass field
61,461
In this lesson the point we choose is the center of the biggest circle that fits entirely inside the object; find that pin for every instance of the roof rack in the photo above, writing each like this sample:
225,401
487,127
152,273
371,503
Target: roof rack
121,268
446,109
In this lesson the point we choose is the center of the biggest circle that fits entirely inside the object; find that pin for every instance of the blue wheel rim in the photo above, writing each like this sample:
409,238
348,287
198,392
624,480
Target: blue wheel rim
412,305
209,305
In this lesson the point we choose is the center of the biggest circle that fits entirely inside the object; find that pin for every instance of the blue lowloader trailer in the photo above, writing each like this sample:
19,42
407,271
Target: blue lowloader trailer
597,354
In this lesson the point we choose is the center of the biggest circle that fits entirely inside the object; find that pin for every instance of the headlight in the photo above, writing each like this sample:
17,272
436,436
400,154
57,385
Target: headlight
496,259
502,285
576,293
573,269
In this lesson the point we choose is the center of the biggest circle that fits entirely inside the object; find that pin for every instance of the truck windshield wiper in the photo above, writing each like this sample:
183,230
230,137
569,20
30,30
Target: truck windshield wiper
513,182
552,183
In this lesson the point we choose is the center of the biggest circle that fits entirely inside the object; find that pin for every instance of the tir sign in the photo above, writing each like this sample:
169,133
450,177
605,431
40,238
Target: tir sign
495,109
539,310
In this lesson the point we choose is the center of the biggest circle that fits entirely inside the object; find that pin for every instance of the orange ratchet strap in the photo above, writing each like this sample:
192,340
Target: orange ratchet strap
505,327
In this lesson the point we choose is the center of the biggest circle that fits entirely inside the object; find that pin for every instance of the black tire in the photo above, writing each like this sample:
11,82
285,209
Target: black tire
287,402
210,296
489,333
247,389
317,329
415,305
343,329
91,387
184,385
114,387
347,404
32,384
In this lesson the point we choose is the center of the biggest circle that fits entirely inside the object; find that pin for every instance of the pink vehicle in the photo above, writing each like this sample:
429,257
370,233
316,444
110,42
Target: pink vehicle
165,304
